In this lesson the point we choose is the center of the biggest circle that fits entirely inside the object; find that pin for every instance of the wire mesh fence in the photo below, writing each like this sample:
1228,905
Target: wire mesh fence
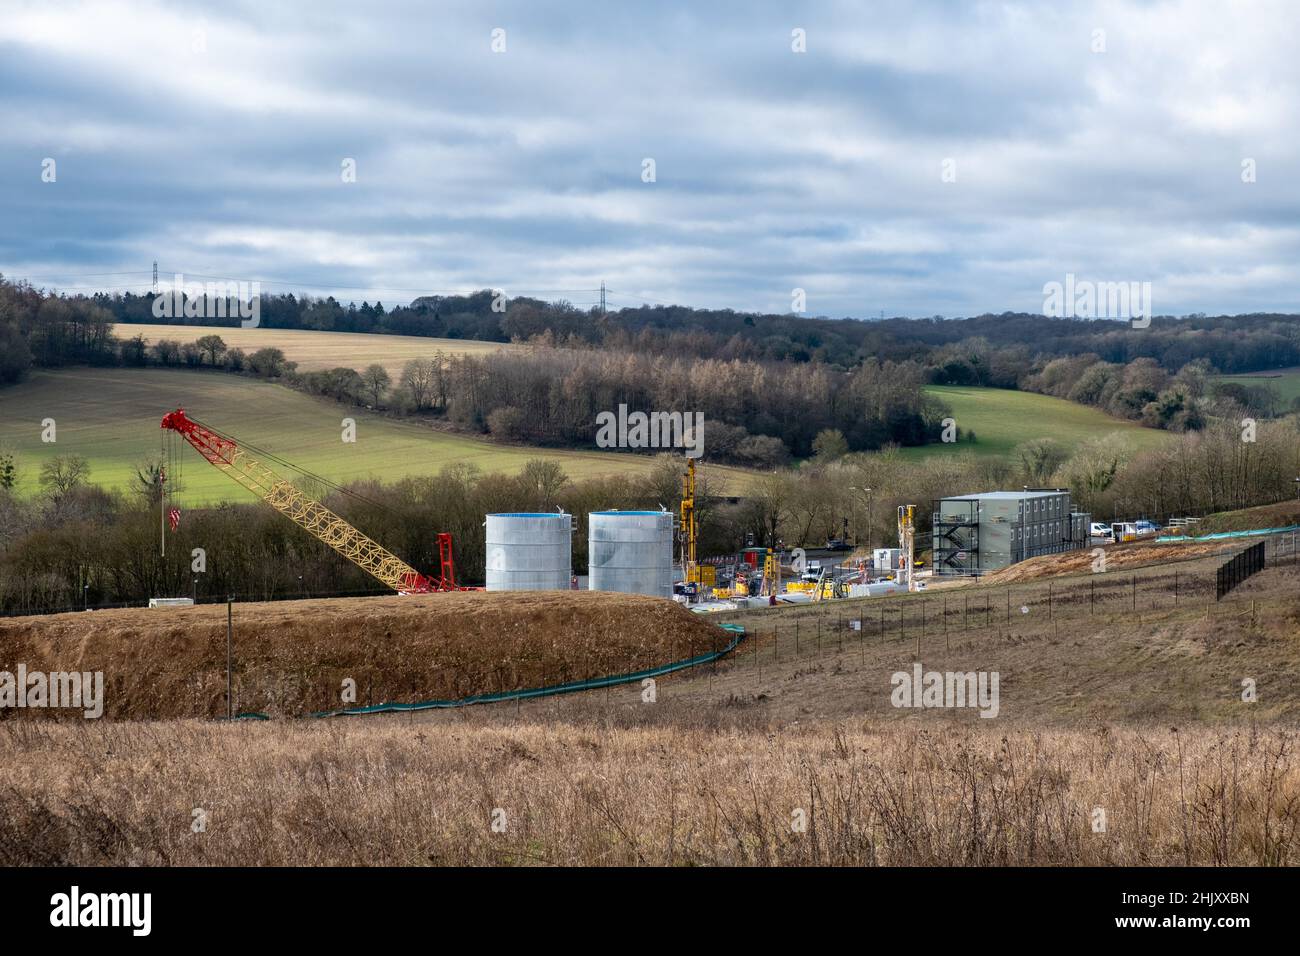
810,630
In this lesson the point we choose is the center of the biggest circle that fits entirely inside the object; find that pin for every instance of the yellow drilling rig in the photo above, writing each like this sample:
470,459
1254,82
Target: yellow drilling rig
689,528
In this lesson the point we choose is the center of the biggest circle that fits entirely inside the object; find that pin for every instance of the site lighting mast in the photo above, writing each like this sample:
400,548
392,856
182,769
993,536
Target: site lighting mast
907,544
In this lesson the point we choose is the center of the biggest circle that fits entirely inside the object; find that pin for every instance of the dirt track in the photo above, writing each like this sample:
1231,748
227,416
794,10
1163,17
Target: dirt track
1118,556
291,656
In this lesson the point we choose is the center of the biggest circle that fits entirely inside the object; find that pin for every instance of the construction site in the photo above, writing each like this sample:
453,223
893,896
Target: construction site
649,607
670,708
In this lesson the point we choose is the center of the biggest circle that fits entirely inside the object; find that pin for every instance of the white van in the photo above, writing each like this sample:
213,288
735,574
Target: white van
1100,529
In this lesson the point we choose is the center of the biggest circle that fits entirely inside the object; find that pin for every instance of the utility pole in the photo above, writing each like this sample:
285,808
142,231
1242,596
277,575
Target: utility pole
230,700
155,277
602,296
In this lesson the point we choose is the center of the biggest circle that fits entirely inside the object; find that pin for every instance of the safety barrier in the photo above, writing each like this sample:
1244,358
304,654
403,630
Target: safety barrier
1227,535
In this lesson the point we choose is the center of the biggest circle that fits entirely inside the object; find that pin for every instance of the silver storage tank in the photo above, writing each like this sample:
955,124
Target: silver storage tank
529,551
631,552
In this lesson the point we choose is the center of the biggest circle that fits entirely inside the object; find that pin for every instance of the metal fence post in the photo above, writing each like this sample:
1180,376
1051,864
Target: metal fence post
230,641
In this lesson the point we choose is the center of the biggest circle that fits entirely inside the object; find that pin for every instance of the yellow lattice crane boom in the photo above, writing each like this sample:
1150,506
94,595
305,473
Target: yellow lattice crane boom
310,515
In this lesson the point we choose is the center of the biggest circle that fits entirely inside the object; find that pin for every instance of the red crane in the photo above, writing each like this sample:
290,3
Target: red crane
224,453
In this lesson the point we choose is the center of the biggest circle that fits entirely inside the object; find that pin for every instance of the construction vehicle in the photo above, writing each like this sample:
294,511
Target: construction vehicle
829,586
223,452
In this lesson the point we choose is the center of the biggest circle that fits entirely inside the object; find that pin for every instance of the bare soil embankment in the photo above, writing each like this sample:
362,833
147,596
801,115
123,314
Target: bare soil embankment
291,657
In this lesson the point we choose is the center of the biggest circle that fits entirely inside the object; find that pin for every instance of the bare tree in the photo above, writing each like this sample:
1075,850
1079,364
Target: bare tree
62,474
417,382
212,346
375,380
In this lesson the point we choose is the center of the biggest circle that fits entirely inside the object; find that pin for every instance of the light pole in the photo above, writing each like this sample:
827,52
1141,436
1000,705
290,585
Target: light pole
857,540
866,493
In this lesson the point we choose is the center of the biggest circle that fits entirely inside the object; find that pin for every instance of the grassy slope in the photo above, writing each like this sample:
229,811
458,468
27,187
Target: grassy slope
1285,381
319,350
1281,515
1002,419
111,416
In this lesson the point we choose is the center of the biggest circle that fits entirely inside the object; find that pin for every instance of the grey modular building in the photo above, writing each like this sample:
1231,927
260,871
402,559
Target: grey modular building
975,534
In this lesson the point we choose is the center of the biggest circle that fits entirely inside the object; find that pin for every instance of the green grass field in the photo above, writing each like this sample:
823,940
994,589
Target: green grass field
1002,419
1285,381
111,417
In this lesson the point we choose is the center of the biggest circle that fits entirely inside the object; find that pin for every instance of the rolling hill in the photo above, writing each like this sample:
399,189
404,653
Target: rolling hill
1001,419
1285,381
111,417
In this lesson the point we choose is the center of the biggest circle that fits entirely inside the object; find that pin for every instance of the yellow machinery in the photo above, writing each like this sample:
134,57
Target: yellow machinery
827,587
223,452
771,574
690,529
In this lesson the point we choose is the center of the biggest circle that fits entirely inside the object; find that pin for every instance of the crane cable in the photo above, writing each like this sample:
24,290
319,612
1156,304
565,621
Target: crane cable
263,453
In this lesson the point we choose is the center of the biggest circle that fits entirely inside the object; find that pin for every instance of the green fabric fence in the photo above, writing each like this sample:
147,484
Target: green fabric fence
736,631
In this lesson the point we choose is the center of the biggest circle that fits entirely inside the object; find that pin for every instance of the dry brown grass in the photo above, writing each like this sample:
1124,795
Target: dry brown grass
700,791
320,350
290,657
1135,554
1070,651
715,771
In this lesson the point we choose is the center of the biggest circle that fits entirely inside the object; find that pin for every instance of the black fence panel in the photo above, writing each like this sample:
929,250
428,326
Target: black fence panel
1248,562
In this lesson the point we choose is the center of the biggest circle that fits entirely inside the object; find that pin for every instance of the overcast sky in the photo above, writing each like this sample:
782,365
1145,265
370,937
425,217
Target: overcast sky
211,137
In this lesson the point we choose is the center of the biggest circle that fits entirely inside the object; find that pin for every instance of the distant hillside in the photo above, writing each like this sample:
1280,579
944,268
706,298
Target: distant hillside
1002,419
111,417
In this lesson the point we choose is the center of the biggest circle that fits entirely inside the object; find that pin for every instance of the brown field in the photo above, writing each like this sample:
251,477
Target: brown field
1119,691
1127,649
588,792
292,656
1135,554
320,350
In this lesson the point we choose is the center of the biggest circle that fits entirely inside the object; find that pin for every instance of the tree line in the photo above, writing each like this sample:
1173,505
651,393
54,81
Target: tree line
961,351
768,386
76,542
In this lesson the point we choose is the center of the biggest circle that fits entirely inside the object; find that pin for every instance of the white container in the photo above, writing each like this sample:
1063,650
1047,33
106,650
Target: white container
630,552
529,551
